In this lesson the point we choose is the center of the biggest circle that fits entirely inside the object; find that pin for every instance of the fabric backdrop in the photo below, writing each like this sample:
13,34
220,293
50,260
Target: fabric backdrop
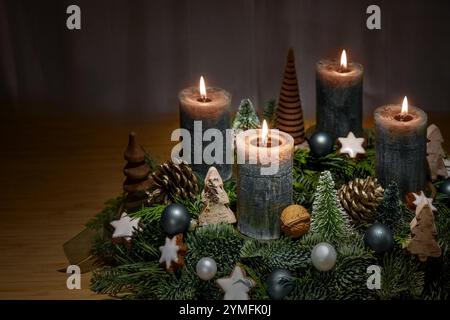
132,57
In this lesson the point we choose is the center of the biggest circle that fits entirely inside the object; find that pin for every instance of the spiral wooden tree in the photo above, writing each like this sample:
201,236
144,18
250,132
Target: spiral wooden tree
137,175
289,110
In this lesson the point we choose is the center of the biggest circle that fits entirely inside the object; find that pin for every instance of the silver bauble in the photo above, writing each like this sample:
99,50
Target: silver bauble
206,268
323,256
279,284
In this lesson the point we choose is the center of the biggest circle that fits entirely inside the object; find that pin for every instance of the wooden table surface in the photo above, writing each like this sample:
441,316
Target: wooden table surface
57,171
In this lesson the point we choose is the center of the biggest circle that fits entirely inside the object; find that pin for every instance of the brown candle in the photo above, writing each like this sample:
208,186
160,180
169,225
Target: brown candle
401,146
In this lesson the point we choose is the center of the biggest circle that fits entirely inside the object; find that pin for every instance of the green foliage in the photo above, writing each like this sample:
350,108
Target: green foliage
264,257
193,206
109,213
144,247
149,214
184,286
307,170
220,242
270,113
246,117
230,188
127,281
347,280
400,277
328,219
389,210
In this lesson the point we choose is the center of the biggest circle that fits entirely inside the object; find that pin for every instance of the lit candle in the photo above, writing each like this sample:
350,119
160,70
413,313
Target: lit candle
206,108
339,94
264,183
401,145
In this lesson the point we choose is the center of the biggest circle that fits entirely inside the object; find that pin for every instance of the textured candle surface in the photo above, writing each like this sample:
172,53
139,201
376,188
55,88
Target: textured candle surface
213,113
401,148
262,198
339,98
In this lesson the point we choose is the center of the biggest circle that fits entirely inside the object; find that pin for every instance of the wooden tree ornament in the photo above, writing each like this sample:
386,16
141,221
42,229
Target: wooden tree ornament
289,110
423,229
137,175
215,200
435,153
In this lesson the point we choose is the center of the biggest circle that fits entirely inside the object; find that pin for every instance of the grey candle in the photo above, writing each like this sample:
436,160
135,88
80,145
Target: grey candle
212,108
401,146
339,94
262,197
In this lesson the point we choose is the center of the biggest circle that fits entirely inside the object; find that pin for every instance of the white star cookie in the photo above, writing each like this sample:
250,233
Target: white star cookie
172,252
352,145
125,226
237,286
422,198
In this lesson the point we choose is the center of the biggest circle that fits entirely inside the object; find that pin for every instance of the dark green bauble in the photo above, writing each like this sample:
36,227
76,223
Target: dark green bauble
321,144
445,187
279,284
379,238
175,219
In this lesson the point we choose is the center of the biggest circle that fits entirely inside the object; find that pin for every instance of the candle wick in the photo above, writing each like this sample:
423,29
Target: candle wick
403,117
203,99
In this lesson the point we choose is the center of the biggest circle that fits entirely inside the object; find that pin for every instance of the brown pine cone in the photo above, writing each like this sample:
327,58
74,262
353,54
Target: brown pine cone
172,181
360,198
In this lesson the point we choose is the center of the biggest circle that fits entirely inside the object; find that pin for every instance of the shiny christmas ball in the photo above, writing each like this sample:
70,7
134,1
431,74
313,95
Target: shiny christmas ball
445,187
175,219
321,144
279,284
206,268
323,256
379,238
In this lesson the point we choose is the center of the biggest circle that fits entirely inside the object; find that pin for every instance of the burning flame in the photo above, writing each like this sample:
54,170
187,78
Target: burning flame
405,106
264,133
344,60
202,89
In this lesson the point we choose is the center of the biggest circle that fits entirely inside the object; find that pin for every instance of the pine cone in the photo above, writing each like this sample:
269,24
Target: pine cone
173,181
360,198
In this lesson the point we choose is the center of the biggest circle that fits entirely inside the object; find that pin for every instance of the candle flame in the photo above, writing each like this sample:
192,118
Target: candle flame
264,133
405,106
202,88
344,60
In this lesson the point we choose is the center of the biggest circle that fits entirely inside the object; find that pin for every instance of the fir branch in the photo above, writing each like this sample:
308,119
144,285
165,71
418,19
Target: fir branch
400,277
108,214
127,281
149,214
193,206
220,242
143,247
265,257
185,286
230,188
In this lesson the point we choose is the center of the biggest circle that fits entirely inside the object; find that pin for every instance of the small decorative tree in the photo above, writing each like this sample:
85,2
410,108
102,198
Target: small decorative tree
246,117
389,211
215,200
423,230
137,175
328,218
435,153
270,113
289,110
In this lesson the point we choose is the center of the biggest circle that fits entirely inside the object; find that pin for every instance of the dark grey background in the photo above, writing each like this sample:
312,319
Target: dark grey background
132,57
